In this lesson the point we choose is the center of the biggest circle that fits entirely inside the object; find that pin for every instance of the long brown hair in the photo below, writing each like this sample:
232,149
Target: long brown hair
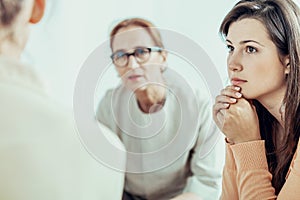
282,21
138,22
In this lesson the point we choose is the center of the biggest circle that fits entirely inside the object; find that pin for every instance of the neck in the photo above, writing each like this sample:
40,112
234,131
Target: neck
152,98
9,50
274,104
12,43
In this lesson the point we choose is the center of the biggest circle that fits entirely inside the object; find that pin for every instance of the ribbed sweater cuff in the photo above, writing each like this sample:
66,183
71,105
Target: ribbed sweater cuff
229,162
250,155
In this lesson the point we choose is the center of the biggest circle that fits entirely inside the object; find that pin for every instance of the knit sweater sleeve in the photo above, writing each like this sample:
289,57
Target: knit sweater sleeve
253,176
104,112
229,185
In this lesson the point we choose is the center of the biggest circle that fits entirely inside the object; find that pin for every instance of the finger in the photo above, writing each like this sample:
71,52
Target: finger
245,103
219,106
223,112
225,99
234,87
220,119
231,91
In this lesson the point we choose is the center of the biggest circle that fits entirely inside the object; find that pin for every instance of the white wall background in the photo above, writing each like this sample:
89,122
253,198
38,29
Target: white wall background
72,29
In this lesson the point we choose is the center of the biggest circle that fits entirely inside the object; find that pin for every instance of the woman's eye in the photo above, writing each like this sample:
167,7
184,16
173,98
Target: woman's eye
230,48
251,49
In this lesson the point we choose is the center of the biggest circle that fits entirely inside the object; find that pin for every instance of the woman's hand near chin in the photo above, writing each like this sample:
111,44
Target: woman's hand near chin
235,116
241,122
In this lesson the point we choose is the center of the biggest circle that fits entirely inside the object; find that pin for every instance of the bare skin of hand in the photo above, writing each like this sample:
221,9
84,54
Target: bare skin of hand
187,196
236,117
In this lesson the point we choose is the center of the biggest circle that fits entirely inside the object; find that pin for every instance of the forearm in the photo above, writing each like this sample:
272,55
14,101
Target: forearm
229,185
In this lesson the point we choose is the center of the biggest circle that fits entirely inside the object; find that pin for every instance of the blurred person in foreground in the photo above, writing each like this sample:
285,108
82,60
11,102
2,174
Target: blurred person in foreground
40,152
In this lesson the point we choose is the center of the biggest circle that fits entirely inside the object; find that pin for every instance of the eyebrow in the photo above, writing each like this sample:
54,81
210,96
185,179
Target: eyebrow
118,50
124,50
245,41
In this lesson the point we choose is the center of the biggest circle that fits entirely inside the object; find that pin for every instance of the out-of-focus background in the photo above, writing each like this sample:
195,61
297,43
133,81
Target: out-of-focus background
72,29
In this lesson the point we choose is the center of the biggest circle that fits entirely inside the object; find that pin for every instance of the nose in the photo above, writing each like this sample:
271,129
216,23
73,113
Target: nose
234,62
132,63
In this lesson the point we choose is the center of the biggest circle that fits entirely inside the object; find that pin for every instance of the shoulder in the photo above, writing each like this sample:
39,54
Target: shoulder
16,74
33,116
113,100
112,96
21,90
114,93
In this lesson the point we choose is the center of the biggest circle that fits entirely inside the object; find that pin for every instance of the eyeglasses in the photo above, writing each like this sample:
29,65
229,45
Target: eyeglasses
141,54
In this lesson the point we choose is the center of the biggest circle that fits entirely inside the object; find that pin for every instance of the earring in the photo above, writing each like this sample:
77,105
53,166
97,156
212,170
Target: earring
287,70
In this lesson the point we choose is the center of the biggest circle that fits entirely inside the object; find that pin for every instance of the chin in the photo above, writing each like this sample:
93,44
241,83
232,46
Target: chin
136,87
249,95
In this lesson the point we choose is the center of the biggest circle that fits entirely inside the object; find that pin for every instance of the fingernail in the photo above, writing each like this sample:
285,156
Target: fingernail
226,104
237,88
233,100
238,94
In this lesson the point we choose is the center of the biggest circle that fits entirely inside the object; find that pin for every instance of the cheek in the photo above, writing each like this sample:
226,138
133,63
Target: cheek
274,71
153,71
157,59
153,68
227,67
266,75
121,71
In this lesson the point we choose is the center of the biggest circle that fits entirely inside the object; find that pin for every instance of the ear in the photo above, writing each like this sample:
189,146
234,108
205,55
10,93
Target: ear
287,65
164,54
37,11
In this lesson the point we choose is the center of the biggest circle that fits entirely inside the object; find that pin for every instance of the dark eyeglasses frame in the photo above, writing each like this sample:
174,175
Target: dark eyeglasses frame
151,49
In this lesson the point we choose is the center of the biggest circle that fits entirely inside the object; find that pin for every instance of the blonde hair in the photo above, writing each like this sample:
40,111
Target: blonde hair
139,22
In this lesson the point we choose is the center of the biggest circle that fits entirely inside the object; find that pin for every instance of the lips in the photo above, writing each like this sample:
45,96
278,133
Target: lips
134,77
237,81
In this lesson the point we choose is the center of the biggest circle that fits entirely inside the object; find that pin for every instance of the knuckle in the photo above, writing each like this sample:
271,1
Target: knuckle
229,86
218,98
